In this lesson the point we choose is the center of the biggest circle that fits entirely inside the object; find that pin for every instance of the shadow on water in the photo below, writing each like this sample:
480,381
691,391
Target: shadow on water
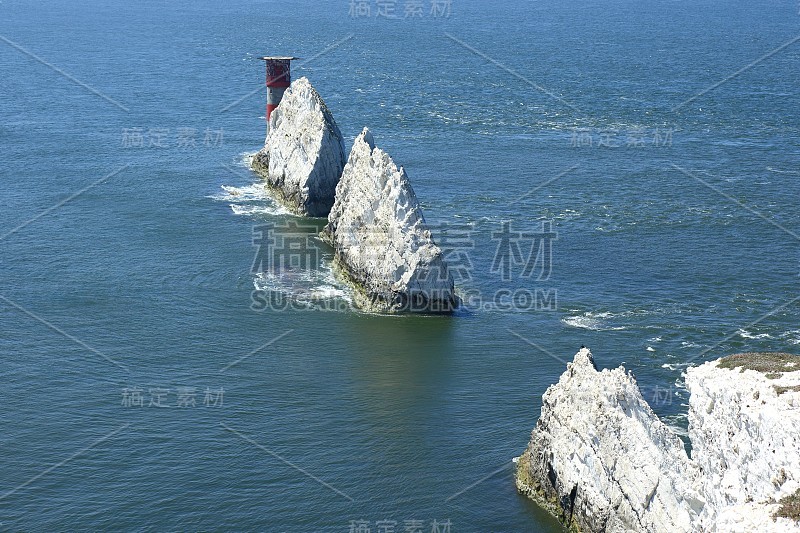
405,377
400,362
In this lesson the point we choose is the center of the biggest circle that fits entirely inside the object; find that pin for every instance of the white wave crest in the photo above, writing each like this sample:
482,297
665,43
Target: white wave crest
250,200
748,335
309,287
592,321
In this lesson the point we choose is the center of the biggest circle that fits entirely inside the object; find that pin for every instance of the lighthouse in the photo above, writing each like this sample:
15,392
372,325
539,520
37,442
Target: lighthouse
278,80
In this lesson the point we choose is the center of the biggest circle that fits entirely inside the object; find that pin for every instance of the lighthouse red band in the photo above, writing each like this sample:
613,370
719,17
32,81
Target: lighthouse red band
278,80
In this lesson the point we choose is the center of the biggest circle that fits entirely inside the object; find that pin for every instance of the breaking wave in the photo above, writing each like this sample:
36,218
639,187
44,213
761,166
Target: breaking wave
749,335
250,200
309,288
592,321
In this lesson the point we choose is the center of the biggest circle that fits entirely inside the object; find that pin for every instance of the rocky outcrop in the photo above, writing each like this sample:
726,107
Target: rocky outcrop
744,424
380,239
304,154
601,460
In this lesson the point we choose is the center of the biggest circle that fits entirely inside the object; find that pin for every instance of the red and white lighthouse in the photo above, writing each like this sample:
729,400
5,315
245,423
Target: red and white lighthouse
278,80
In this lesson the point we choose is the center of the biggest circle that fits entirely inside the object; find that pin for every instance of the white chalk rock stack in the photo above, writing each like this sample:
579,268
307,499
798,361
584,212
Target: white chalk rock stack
601,460
380,238
304,153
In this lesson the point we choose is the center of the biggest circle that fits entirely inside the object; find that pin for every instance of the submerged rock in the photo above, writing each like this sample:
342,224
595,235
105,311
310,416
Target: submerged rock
601,460
380,238
304,154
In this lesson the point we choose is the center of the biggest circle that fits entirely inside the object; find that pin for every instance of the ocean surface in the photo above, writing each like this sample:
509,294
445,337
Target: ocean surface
652,147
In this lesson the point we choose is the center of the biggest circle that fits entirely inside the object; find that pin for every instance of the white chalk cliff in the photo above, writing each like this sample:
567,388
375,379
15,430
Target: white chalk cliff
303,157
601,460
380,238
744,426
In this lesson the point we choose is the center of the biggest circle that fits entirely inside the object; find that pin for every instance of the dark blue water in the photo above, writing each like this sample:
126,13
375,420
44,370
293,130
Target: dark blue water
677,242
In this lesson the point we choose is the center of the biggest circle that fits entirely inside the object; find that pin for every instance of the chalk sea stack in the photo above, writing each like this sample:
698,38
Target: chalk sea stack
600,460
380,239
304,154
